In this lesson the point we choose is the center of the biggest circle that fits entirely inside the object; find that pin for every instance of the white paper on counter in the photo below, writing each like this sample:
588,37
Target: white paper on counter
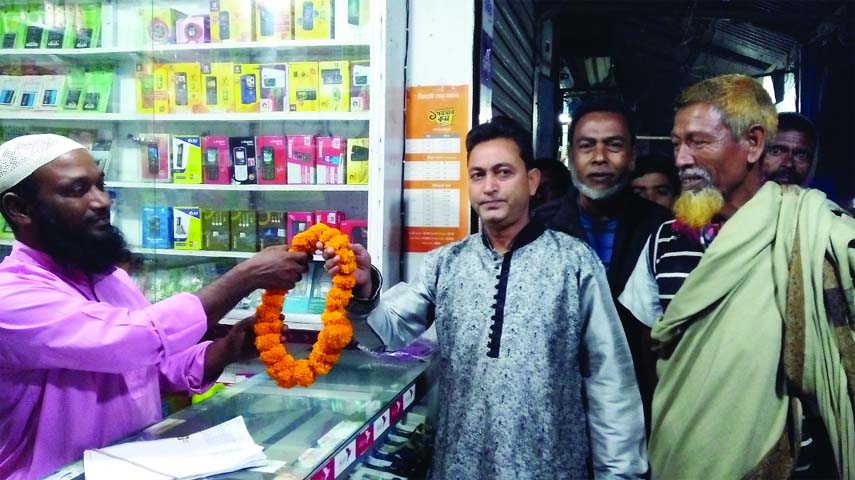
224,448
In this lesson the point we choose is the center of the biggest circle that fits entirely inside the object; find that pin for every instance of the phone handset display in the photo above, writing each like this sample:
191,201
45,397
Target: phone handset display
241,170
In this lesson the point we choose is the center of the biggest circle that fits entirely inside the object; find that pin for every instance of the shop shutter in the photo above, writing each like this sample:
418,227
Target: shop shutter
513,60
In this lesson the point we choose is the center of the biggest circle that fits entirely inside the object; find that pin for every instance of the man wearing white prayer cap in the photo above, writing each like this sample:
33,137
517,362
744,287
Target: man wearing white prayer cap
83,356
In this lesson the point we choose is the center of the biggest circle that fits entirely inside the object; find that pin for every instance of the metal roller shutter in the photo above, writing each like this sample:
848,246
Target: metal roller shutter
513,60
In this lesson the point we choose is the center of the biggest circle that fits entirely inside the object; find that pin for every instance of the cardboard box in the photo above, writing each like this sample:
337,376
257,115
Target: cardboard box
352,20
271,161
218,87
14,25
52,89
360,96
330,218
187,228
185,88
271,229
246,92
301,159
98,85
321,286
297,300
215,230
299,222
34,33
156,224
159,24
243,233
312,19
356,231
144,87
154,153
242,160
186,159
303,86
216,161
10,91
274,87
334,87
232,21
273,20
357,161
329,164
58,25
194,29
31,92
87,24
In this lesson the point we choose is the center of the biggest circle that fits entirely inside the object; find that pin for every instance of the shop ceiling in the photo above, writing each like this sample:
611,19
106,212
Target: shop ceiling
648,50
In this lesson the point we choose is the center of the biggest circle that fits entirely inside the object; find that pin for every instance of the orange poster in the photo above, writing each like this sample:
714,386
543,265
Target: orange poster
436,204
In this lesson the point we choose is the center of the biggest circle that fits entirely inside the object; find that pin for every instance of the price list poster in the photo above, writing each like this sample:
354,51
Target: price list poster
436,204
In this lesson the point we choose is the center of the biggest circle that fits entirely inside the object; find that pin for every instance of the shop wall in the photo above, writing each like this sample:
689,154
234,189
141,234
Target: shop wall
440,53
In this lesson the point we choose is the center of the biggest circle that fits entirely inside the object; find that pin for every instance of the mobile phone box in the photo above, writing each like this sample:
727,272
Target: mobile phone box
299,222
216,160
274,87
303,86
271,229
334,86
243,160
329,164
271,164
330,218
356,231
357,161
187,228
187,159
215,230
243,230
302,150
246,87
154,153
156,225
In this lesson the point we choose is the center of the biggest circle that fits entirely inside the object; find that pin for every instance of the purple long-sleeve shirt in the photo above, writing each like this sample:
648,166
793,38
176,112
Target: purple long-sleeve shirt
83,363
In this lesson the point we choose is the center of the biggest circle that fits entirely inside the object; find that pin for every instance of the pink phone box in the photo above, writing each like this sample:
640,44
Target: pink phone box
302,150
270,153
330,161
299,222
356,231
332,218
216,160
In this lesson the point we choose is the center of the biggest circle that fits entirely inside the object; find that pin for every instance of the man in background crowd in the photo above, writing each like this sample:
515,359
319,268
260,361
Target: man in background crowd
791,155
655,178
603,212
555,181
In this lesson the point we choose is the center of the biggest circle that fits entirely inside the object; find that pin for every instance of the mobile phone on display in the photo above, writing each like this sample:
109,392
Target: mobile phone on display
247,89
308,16
179,157
147,91
211,90
241,170
268,170
266,21
181,89
224,26
153,159
358,153
353,12
212,169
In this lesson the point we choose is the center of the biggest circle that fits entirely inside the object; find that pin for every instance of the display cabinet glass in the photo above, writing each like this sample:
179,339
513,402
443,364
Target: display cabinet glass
317,432
223,126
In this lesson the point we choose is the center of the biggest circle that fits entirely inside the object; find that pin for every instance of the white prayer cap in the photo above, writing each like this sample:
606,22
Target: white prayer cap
22,156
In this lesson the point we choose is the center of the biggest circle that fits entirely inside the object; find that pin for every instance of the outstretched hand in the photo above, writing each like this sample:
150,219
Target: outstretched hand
362,275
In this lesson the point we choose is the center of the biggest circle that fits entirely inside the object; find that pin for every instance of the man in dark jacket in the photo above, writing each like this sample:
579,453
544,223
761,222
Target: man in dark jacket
604,212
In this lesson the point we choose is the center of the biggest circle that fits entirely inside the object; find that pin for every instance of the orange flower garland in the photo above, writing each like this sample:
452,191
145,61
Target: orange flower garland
336,332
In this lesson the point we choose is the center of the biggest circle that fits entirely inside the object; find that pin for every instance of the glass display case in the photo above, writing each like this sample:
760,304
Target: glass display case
223,126
317,433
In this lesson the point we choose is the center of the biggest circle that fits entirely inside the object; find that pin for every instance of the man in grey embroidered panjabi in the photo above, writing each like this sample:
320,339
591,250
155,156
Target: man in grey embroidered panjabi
536,379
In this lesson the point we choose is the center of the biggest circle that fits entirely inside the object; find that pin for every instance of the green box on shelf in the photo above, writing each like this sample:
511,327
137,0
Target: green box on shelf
34,30
14,25
215,229
87,24
243,232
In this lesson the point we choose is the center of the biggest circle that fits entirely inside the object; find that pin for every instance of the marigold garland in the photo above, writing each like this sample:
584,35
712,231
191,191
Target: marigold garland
336,332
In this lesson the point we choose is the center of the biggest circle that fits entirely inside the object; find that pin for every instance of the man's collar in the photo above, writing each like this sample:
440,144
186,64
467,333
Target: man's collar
529,233
28,254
